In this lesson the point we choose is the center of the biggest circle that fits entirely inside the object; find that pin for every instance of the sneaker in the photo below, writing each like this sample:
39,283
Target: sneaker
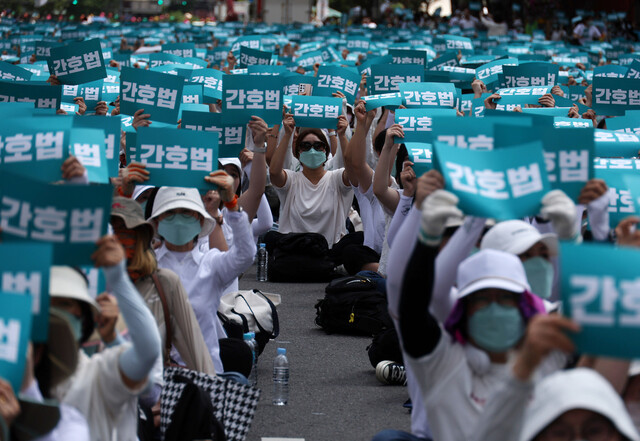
390,372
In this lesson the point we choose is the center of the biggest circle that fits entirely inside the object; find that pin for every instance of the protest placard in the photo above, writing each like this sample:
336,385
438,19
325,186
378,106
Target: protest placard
231,137
244,97
158,94
77,63
15,330
417,123
316,111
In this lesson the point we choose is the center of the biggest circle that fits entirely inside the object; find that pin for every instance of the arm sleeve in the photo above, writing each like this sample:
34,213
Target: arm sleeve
264,218
137,360
420,331
457,249
503,416
402,210
228,265
598,212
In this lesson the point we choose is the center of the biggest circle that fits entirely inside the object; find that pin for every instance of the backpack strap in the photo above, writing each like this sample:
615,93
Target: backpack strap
167,318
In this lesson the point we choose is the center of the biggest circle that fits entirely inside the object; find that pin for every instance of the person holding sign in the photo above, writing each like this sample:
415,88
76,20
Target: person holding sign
180,218
458,370
314,199
105,386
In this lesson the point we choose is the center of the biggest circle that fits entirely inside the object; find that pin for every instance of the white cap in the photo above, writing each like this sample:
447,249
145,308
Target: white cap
169,198
232,161
516,237
67,282
579,388
491,269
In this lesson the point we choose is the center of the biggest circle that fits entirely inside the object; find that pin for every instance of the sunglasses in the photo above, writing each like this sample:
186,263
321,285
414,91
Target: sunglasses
318,145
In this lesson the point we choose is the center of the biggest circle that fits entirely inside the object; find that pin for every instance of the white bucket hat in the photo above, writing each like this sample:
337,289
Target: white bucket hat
169,198
516,237
68,283
491,269
579,388
232,161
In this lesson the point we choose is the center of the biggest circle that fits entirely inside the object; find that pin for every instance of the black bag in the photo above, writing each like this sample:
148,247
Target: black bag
385,346
298,257
194,417
352,305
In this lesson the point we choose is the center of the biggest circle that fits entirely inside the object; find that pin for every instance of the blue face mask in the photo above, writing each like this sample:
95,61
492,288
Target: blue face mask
312,158
74,322
179,229
144,206
539,273
496,328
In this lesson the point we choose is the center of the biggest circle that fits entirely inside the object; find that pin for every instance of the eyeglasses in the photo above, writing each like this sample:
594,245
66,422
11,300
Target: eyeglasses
318,145
595,429
483,299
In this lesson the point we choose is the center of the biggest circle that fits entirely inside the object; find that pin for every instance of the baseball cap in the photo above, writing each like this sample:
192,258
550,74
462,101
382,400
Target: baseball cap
169,198
516,237
491,269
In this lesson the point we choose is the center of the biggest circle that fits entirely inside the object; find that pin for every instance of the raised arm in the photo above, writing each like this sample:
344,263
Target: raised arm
355,156
250,199
276,170
388,197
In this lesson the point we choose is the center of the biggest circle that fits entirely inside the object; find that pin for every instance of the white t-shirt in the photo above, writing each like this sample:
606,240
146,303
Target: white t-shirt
321,208
96,389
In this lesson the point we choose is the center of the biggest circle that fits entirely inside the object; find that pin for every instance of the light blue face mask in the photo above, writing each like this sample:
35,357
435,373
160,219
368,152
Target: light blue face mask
539,273
312,158
144,206
179,229
496,328
74,322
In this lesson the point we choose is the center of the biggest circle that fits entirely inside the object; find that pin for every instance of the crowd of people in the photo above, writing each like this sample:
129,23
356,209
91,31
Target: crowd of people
477,303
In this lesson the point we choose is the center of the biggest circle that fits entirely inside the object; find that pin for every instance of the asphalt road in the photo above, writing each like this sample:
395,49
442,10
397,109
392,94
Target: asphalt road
333,391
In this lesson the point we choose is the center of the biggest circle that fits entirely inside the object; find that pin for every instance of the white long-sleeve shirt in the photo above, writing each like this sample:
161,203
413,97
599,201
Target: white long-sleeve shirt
205,275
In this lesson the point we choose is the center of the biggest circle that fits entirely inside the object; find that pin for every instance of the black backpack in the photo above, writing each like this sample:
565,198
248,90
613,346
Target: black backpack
352,305
385,346
299,257
194,416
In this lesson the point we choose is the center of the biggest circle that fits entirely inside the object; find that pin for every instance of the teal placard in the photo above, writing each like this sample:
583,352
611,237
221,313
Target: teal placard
251,57
634,70
43,49
72,217
387,77
453,43
568,153
91,93
598,288
501,184
530,75
77,63
417,124
251,41
629,123
520,96
561,122
421,154
10,72
159,59
179,49
35,148
244,97
316,111
408,56
446,59
358,44
158,94
257,69
389,100
337,79
176,158
613,96
45,96
309,59
231,137
88,146
15,324
211,80
610,71
488,73
621,202
25,270
472,133
428,95
616,144
111,129
192,94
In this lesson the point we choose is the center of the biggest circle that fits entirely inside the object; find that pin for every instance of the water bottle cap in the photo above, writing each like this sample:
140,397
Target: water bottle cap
253,334
282,351
263,245
246,336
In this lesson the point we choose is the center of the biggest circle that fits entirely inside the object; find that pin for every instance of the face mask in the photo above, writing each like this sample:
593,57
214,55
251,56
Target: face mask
144,206
539,273
179,229
74,322
496,328
312,158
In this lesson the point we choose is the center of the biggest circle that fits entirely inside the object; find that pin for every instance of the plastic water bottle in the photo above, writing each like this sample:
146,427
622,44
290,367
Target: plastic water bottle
281,378
263,257
249,339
